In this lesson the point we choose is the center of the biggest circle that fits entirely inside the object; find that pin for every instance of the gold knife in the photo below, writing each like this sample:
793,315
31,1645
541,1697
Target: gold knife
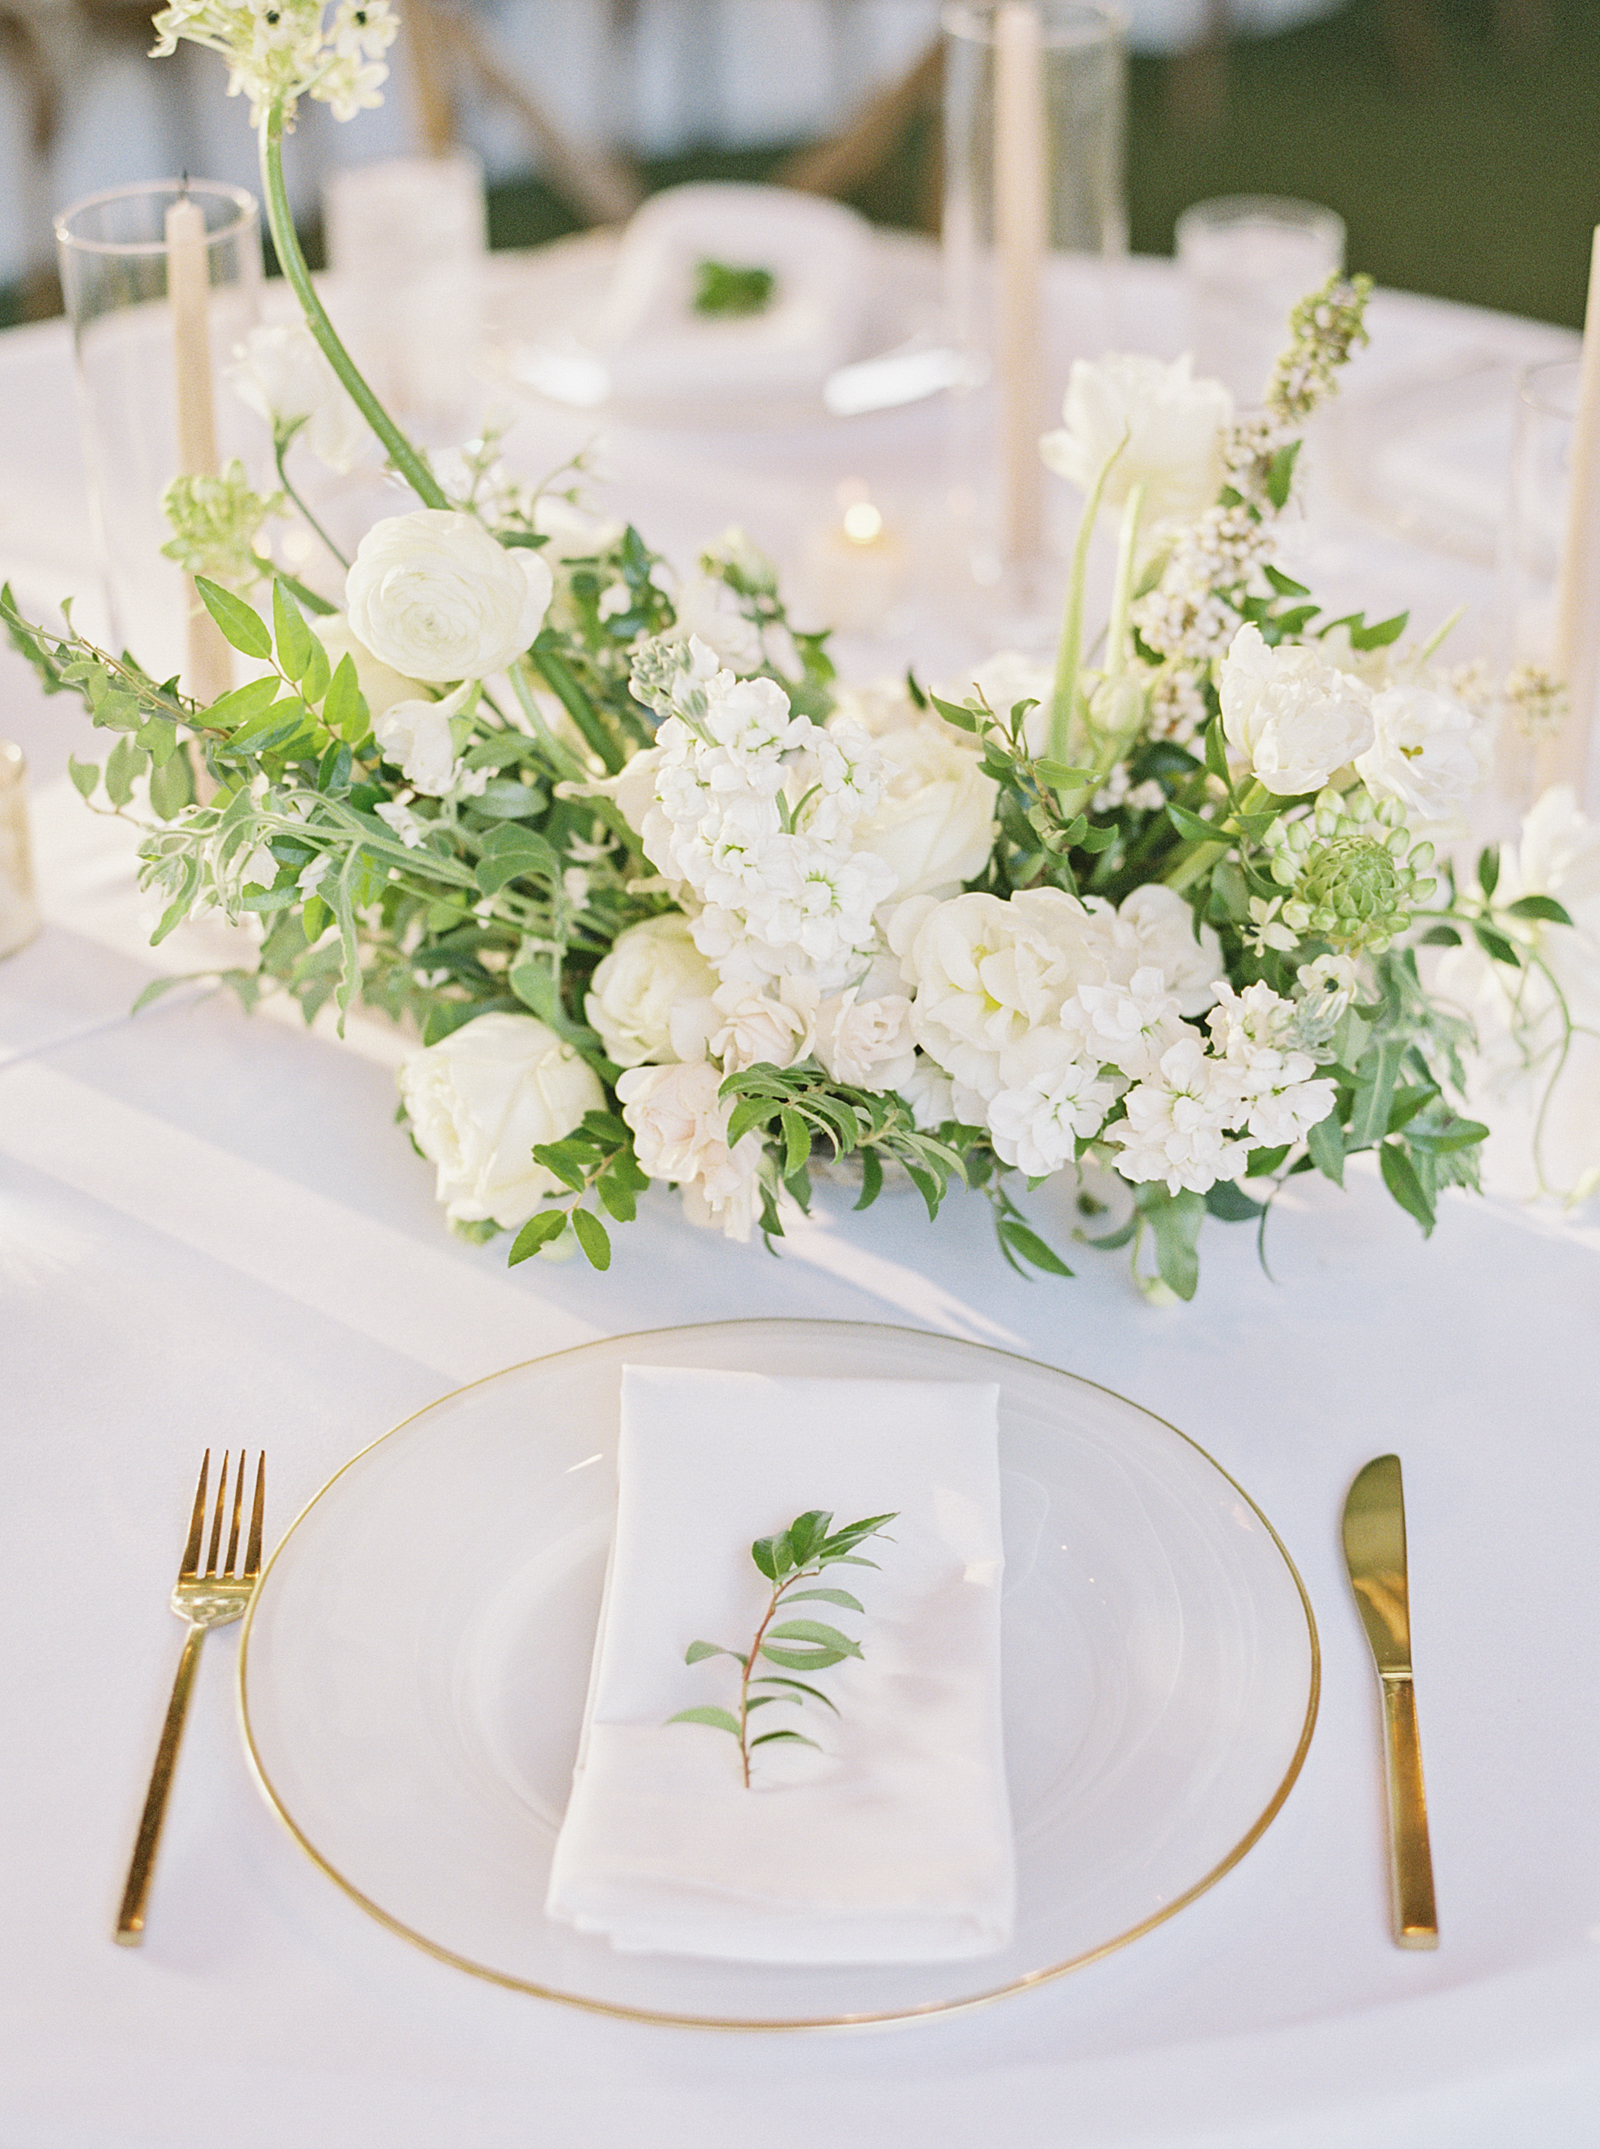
1375,1553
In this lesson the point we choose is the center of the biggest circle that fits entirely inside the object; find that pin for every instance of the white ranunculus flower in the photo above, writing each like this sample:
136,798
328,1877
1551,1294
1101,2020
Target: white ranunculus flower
1165,928
479,1100
432,594
1295,717
934,823
1169,425
416,736
866,1043
382,685
280,373
652,969
1423,753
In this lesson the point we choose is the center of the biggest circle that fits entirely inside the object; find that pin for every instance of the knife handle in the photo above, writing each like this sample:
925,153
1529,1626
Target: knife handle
1416,1923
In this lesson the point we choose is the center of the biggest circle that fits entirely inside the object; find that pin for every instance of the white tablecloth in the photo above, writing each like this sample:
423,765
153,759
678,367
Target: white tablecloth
212,1232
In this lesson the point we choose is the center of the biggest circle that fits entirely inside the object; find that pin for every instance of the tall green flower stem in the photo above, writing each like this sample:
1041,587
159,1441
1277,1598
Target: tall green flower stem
1066,696
280,447
292,261
1198,858
1122,594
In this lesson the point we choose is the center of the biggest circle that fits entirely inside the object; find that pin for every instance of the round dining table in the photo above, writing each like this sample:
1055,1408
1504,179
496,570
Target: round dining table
214,1234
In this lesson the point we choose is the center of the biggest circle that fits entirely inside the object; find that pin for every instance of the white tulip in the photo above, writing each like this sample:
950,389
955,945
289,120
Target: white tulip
1294,716
1168,426
432,594
653,970
280,373
1423,753
479,1100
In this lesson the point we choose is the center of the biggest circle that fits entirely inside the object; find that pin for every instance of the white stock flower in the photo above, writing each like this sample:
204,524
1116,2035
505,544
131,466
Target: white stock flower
934,824
479,1100
382,685
1054,1095
1168,425
1176,1128
1164,926
680,1132
1423,752
1132,1025
279,372
1294,716
757,1027
416,737
432,594
1253,1031
866,1043
653,969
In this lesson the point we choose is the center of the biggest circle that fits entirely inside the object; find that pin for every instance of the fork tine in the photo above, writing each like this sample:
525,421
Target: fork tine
197,1522
238,1508
252,1549
216,1516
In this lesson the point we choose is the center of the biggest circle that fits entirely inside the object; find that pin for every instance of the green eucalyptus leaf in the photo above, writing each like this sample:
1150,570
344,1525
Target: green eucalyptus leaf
773,1678
718,1719
1325,1142
814,1630
698,1651
1538,906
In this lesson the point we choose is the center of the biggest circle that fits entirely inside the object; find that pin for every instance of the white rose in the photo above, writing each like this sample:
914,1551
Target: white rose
432,594
680,1131
653,968
756,1028
479,1100
1169,427
1293,715
866,1043
934,823
1165,928
382,685
1423,752
281,374
416,736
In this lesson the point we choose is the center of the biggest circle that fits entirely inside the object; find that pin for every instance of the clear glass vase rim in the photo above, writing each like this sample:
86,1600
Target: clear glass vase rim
246,210
1265,208
1062,23
1531,389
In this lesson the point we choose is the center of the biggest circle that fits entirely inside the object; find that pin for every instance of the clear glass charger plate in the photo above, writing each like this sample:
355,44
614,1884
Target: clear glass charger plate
413,1671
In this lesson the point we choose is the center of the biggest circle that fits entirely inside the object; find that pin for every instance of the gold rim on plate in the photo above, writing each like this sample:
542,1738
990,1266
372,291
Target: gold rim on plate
925,2010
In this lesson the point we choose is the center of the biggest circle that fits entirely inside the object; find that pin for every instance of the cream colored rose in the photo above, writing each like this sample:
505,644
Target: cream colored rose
382,685
432,594
479,1100
1295,717
680,1132
866,1043
934,823
653,969
754,1027
1167,425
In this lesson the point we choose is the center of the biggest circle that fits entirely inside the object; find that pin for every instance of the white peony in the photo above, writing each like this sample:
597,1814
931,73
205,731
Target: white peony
382,685
934,823
653,969
1164,928
866,1043
680,1132
416,737
432,594
1423,752
1294,716
479,1100
1168,426
282,375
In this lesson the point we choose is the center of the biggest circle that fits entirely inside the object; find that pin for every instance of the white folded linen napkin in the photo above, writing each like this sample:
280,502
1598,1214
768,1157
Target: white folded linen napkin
892,1844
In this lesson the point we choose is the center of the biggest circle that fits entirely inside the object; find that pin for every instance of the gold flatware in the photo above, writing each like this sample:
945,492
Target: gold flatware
1375,1553
203,1597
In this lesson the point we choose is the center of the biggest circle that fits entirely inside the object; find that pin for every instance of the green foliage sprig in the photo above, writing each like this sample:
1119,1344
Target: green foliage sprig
795,1555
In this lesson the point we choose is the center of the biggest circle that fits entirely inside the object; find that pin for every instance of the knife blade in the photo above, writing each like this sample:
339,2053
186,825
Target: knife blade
1375,1554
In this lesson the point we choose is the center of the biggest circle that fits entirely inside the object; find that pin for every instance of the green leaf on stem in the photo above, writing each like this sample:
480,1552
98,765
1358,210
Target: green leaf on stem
240,624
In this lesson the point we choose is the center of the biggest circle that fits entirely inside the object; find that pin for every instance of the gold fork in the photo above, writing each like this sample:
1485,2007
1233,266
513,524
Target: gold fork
204,1598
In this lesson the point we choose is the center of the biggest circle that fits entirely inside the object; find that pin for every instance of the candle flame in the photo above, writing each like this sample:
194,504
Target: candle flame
863,525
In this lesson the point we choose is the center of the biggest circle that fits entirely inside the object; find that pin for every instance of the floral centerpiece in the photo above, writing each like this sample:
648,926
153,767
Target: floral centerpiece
663,902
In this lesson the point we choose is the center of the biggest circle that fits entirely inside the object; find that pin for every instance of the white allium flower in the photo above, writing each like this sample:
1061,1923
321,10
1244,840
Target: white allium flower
1165,927
866,1043
1168,426
680,1132
1424,751
1132,1025
653,968
416,737
481,1098
1177,1124
279,372
432,594
1294,716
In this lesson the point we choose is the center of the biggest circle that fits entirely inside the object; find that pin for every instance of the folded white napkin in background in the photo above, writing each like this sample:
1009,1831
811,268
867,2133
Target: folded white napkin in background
893,1844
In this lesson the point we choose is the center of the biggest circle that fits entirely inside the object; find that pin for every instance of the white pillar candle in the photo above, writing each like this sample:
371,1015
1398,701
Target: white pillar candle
1565,758
1020,232
210,668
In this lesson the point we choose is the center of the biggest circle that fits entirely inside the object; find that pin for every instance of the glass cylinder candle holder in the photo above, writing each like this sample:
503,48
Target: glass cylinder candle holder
1247,260
1035,119
406,239
19,908
161,282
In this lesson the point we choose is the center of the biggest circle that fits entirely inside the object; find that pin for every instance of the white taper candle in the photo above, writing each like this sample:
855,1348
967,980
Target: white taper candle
1020,213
